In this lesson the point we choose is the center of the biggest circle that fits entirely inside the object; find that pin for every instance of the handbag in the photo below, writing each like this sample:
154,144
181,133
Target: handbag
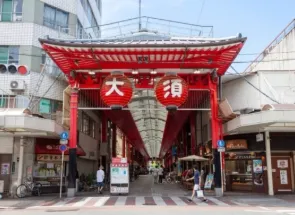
200,193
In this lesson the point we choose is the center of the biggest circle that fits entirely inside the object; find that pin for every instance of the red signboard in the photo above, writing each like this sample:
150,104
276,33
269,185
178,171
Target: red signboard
116,90
171,90
53,149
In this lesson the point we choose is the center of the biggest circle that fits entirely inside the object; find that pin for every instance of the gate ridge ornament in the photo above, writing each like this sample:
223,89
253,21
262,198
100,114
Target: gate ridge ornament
116,91
171,91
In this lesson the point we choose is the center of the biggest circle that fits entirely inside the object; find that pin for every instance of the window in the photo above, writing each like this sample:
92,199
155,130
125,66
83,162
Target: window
81,33
9,54
88,126
11,10
55,18
90,16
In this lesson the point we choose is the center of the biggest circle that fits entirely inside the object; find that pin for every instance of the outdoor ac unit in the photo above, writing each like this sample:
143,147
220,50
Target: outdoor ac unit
17,85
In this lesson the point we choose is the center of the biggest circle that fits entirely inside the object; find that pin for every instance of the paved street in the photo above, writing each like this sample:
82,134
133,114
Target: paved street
144,193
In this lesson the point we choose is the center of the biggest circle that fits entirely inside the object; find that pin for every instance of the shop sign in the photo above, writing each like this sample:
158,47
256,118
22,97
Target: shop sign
5,168
209,181
51,158
282,164
257,166
116,90
240,156
259,137
283,177
171,90
236,144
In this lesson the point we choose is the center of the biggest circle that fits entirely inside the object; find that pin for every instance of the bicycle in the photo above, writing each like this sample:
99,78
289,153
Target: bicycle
28,188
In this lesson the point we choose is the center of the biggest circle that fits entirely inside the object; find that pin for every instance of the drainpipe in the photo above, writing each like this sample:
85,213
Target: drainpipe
268,162
21,162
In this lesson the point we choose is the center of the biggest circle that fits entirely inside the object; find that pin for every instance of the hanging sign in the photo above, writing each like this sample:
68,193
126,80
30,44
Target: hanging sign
171,90
116,90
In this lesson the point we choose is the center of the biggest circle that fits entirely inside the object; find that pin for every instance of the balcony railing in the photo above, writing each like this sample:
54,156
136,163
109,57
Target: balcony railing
11,17
161,27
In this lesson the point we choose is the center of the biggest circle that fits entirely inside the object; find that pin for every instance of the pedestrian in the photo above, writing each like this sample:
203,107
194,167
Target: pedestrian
197,186
100,178
160,171
155,173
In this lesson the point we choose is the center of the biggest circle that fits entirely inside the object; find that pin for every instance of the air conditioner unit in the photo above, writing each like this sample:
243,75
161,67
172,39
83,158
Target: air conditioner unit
17,85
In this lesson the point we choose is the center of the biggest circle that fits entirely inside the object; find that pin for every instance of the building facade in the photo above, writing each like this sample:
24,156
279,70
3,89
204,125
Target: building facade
32,87
259,137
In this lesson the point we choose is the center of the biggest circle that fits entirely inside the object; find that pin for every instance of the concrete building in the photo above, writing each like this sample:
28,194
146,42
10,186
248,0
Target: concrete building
261,132
31,96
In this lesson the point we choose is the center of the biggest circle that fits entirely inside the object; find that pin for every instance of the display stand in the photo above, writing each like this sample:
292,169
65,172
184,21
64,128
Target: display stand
119,183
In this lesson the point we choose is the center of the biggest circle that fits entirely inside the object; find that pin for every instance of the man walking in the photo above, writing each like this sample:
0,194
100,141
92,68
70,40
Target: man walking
99,178
197,185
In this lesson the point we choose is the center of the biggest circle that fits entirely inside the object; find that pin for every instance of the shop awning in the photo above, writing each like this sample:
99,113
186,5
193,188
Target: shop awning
51,147
270,120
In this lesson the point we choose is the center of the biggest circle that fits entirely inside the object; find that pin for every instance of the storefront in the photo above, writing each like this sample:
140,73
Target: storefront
47,166
245,167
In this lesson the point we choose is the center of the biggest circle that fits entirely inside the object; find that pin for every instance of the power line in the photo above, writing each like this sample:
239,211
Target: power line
254,85
201,11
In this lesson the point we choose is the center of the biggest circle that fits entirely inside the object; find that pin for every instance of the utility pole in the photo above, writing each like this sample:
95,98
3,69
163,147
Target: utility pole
139,9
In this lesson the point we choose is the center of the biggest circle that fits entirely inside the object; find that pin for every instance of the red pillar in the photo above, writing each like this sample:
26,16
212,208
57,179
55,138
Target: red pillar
124,147
114,140
73,142
215,128
193,132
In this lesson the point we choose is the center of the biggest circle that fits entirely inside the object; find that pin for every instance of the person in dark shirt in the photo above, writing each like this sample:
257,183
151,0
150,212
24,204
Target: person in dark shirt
197,184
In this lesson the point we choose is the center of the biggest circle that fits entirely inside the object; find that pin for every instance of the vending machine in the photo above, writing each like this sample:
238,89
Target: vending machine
119,183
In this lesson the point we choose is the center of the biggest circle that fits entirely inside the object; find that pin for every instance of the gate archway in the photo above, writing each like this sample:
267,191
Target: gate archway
151,128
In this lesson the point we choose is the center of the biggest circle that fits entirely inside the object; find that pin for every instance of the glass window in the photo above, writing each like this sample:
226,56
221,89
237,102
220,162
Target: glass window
13,55
45,106
55,18
18,7
3,54
49,16
6,10
90,16
9,54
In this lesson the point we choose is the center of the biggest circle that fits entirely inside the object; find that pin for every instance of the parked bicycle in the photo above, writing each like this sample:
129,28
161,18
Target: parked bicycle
28,188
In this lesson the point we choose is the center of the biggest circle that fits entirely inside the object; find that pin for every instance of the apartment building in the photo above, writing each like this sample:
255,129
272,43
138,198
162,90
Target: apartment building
31,87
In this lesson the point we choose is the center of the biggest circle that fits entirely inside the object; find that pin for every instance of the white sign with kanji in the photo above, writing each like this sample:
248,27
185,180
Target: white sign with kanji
114,83
173,88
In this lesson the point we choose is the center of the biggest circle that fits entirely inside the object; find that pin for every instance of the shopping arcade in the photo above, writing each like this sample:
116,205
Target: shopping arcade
198,61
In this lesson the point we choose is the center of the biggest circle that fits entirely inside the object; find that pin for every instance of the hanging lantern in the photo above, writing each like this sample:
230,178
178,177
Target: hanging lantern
171,91
116,91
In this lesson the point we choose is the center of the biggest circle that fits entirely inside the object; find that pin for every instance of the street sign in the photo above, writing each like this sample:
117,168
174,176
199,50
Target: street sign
63,148
221,144
63,141
64,135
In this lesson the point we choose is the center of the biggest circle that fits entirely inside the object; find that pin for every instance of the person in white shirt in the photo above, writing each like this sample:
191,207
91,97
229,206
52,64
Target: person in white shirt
160,172
99,178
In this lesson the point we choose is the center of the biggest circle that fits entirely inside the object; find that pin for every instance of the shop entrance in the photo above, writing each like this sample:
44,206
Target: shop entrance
5,162
281,167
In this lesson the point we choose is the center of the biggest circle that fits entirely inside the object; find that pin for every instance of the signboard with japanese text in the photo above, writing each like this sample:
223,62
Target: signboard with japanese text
171,90
119,178
209,181
51,158
236,144
116,90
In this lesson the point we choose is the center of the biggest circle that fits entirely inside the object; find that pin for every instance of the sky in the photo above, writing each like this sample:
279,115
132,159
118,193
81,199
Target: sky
258,20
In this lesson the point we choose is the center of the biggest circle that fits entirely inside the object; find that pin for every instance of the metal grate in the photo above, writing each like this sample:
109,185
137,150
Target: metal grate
197,100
